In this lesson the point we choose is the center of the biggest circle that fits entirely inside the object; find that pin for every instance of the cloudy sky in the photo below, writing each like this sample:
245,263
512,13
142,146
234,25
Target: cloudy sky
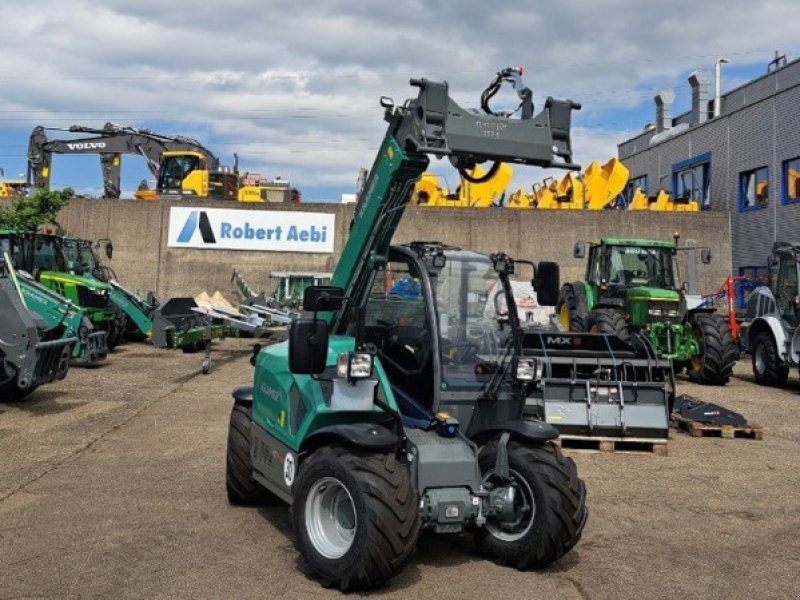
293,87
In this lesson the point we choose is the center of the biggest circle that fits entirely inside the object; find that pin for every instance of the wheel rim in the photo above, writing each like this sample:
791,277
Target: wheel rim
331,520
563,316
759,359
526,508
594,329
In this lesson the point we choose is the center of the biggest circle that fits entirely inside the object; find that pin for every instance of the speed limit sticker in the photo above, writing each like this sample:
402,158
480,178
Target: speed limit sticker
289,468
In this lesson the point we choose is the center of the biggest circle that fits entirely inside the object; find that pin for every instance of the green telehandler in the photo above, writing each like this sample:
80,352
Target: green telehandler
394,407
631,287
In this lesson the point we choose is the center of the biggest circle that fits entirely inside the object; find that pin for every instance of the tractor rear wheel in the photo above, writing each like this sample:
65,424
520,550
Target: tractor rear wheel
610,321
356,516
767,367
718,350
550,500
239,482
571,308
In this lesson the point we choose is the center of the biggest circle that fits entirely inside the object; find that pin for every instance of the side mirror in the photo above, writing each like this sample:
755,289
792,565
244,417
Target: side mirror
109,250
546,283
705,256
579,250
322,298
308,346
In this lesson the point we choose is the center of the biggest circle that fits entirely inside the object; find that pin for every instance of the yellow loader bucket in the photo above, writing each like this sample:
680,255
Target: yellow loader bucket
604,184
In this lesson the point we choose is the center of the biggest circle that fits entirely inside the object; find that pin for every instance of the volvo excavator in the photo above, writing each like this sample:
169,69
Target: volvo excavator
110,142
182,167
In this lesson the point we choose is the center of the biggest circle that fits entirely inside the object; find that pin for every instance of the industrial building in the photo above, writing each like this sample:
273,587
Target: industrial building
737,152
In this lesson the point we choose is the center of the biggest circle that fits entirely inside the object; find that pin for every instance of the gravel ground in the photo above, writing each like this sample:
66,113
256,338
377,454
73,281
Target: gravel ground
112,486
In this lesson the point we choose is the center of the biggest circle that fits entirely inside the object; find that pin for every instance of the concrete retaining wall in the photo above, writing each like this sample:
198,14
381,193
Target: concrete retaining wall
143,261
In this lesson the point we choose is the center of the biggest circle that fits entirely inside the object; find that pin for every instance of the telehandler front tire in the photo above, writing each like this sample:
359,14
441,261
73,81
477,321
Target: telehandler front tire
551,501
239,483
355,515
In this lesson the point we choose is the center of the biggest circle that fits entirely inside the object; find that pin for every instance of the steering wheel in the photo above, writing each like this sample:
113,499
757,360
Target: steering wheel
413,340
463,350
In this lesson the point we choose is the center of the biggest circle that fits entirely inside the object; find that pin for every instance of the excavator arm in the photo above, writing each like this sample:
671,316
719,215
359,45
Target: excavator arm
110,143
434,124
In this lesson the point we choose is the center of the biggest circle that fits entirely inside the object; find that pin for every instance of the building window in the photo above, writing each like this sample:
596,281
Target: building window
791,180
630,188
754,189
691,180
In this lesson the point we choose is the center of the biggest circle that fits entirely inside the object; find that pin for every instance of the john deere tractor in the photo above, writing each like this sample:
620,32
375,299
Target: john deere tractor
631,288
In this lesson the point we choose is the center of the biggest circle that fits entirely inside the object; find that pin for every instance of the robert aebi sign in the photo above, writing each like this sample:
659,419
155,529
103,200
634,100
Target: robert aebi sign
225,229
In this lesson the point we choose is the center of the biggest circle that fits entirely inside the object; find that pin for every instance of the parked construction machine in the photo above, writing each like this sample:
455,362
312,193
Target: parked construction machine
110,142
403,402
31,352
770,330
41,256
631,287
11,187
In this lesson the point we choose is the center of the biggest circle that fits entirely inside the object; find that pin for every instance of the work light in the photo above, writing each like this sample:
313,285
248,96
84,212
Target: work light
354,365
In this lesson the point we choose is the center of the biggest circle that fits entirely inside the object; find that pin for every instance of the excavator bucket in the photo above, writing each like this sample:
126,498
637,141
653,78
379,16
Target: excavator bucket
569,193
604,184
599,385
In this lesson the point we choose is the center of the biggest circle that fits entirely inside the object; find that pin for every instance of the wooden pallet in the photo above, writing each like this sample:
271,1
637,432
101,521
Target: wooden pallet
628,445
698,429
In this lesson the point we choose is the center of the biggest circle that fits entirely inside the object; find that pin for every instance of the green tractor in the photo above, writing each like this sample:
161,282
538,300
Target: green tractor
630,289
393,409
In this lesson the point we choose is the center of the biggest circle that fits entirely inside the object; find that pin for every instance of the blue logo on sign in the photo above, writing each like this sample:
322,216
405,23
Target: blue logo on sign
188,228
197,220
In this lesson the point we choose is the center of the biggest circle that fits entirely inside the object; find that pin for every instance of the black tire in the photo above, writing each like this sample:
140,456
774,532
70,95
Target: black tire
559,506
767,368
9,392
385,505
242,488
610,321
571,308
718,350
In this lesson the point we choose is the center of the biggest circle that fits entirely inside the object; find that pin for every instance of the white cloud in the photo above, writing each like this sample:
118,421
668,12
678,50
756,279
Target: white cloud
293,88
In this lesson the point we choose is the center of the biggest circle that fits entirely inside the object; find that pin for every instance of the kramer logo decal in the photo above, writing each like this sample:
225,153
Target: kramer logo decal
232,229
86,145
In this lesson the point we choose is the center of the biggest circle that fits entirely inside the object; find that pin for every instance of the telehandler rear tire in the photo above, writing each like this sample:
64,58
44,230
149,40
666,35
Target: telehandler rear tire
356,516
718,350
548,483
241,487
